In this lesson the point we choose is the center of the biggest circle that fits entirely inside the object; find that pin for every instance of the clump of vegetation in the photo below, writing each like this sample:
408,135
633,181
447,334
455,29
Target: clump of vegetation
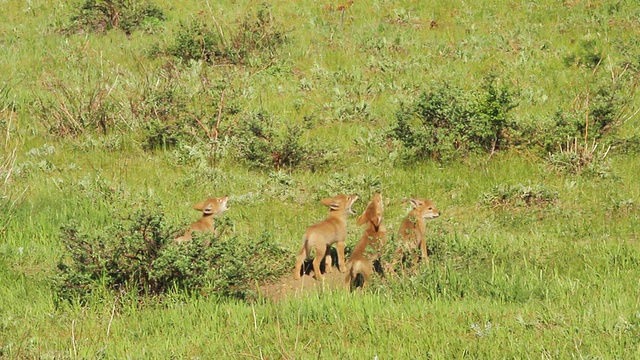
588,55
101,16
138,255
74,110
8,197
261,145
519,195
162,111
599,114
348,184
578,158
446,123
257,37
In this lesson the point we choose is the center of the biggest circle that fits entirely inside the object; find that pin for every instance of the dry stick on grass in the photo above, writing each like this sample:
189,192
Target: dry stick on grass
8,136
73,338
113,311
224,40
220,107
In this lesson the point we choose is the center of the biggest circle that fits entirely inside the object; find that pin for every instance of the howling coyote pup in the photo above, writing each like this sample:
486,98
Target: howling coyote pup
210,208
412,230
375,237
321,236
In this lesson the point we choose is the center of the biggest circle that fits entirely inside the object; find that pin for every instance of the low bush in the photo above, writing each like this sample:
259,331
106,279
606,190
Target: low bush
127,15
447,123
138,255
262,145
256,37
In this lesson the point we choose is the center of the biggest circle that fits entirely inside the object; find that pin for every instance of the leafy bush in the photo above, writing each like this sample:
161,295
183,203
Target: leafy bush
160,135
138,255
446,123
128,15
257,36
196,41
261,145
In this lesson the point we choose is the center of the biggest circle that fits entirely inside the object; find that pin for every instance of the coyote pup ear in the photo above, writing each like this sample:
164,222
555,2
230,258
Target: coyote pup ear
199,206
415,203
331,203
362,219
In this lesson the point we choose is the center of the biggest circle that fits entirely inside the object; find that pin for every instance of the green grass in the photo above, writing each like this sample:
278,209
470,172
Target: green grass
558,280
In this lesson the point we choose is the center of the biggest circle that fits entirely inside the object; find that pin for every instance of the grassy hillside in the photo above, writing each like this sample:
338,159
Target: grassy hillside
518,119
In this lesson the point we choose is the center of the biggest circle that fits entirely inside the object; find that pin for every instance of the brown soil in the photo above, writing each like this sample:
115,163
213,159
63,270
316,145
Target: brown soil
287,287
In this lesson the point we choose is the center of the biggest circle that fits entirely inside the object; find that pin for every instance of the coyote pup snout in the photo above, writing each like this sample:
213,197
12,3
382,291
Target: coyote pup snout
210,208
319,237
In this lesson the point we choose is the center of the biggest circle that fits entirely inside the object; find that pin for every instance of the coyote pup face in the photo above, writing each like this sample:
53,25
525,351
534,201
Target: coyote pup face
319,237
412,230
425,208
370,245
210,208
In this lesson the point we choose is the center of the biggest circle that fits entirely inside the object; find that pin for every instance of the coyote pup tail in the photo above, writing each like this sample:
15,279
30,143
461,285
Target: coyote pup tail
358,273
302,255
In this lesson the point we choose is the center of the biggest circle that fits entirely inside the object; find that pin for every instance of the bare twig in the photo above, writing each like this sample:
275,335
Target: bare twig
220,107
216,22
73,338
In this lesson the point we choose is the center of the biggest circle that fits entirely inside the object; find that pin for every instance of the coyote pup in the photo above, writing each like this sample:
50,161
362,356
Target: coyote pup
210,208
374,236
412,230
318,238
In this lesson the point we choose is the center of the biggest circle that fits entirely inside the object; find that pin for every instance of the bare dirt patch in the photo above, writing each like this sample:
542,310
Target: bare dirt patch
287,287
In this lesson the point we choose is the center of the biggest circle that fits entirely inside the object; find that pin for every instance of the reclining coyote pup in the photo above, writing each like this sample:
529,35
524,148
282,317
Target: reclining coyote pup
210,208
321,236
374,237
413,228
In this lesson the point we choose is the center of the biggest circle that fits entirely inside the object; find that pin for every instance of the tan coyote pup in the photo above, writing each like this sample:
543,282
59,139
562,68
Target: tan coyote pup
374,238
318,238
412,230
210,208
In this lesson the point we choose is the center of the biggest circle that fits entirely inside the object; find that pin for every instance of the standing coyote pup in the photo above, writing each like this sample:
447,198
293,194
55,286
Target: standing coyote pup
210,208
375,236
321,236
412,230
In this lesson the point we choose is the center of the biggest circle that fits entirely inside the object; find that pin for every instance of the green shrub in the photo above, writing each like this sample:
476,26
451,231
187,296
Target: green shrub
261,145
196,41
128,15
162,111
446,123
257,37
138,255
595,117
